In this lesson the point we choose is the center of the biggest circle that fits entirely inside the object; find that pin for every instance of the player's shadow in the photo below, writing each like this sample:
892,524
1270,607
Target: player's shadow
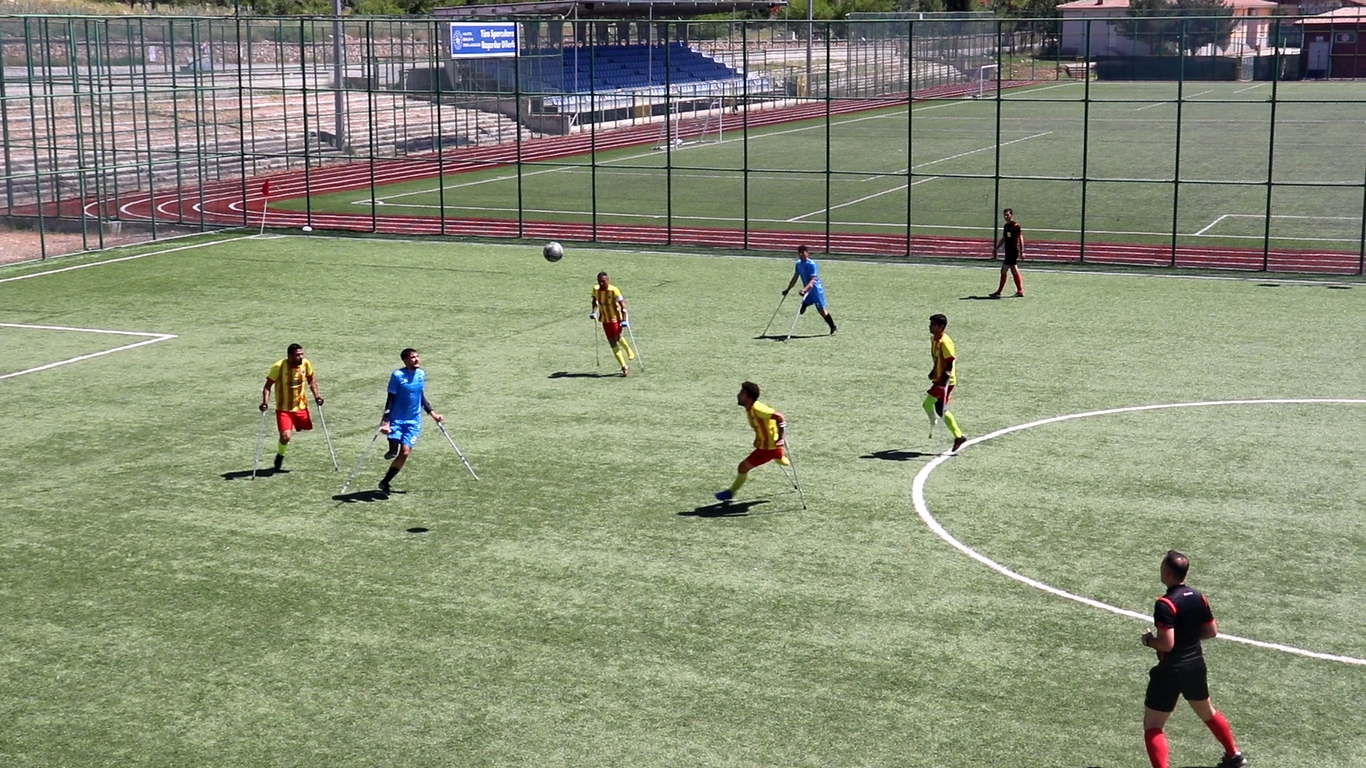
247,473
986,298
794,337
589,375
724,509
364,497
895,454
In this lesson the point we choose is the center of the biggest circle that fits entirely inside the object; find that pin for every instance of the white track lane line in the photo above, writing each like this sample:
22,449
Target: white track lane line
921,508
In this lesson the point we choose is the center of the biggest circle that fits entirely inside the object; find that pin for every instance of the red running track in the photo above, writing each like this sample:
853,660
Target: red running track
233,203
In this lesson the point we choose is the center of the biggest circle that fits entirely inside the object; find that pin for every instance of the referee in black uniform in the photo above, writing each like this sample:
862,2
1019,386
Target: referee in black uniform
1013,240
1182,618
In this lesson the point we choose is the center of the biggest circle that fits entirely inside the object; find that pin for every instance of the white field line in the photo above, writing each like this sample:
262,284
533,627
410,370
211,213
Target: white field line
897,188
922,509
1212,224
122,258
920,165
150,338
1250,88
1161,103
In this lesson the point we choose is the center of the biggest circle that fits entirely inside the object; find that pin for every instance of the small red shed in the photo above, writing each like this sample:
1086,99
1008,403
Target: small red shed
1334,43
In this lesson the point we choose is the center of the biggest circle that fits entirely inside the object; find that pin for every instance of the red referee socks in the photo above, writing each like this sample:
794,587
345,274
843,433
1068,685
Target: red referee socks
1156,742
1219,727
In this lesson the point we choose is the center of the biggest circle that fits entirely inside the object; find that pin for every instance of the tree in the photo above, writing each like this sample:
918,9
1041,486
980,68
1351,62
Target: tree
1160,24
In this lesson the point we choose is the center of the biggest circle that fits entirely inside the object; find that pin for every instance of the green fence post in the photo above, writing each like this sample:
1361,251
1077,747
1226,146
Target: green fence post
910,112
1176,168
1270,159
1361,258
303,97
517,137
593,123
442,62
996,173
828,104
1085,138
33,134
744,136
339,64
5,146
668,136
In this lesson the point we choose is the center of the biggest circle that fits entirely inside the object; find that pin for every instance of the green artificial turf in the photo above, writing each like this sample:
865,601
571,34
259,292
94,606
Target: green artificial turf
1128,141
585,602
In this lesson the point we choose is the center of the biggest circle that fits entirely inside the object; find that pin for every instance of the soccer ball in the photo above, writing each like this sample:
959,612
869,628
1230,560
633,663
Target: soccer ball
307,228
553,252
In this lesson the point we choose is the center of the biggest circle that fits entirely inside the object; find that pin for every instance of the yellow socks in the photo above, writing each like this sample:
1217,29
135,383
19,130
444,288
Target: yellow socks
740,479
280,449
621,359
952,424
630,353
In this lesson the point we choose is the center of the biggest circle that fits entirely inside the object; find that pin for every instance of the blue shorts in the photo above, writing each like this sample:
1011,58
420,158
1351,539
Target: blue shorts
405,432
815,296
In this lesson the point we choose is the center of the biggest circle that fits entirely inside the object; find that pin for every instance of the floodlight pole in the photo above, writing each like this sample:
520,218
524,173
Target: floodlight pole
338,75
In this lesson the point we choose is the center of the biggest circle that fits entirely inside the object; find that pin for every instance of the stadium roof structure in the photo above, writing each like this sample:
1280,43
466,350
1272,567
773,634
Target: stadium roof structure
606,9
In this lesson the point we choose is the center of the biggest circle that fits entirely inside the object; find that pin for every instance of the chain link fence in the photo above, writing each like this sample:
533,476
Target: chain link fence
1221,142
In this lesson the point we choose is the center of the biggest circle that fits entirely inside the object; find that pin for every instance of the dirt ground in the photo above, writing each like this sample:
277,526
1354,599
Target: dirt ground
25,245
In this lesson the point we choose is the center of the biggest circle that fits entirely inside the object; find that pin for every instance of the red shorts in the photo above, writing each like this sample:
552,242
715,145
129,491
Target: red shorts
940,393
612,328
760,457
287,421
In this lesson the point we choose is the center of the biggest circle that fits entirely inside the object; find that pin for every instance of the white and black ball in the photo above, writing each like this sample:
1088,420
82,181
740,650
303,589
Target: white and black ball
553,252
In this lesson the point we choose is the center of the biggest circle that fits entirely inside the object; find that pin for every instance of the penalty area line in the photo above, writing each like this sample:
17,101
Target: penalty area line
923,510
149,338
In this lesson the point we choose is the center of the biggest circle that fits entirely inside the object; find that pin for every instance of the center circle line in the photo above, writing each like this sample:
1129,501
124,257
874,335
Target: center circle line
922,509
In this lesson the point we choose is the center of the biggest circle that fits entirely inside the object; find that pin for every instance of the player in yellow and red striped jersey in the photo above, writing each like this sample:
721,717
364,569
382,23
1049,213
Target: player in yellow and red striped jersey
289,377
610,309
943,378
768,426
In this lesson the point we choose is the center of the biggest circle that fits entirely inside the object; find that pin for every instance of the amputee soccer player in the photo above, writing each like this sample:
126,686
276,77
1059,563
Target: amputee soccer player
288,377
768,426
610,308
812,291
1183,618
943,378
403,407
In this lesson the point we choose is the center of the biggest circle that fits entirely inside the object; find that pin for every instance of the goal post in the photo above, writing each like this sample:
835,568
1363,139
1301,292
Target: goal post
986,83
693,122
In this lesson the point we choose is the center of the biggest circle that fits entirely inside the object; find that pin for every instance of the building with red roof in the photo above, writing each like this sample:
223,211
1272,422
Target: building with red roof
1334,43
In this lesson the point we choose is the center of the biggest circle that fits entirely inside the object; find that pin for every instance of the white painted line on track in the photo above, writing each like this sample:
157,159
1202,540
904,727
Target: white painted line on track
149,338
922,509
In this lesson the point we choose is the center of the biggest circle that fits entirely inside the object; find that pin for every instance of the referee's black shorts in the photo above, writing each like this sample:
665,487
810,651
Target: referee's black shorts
1011,258
1168,683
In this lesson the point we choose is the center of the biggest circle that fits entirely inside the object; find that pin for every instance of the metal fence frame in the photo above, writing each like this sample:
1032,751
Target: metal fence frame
96,111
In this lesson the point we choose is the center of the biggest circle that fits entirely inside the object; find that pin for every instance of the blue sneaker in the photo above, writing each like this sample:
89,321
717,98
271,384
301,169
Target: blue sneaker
725,495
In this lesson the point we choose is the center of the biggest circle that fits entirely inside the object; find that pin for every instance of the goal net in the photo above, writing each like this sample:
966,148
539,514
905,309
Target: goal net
691,123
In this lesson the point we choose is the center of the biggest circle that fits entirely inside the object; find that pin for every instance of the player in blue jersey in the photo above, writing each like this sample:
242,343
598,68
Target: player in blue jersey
812,292
403,408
